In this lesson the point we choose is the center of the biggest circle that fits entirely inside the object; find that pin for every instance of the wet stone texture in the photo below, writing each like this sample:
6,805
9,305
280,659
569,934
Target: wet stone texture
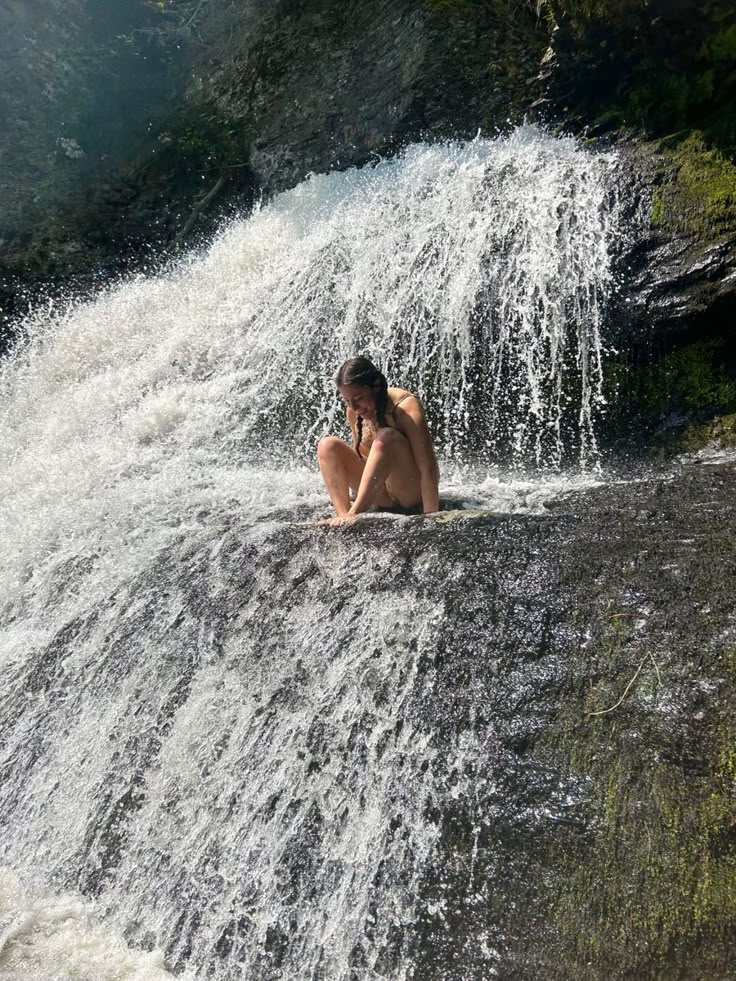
450,749
582,845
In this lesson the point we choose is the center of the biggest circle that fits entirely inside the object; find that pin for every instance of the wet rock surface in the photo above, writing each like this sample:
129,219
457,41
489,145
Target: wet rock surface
683,261
593,655
520,727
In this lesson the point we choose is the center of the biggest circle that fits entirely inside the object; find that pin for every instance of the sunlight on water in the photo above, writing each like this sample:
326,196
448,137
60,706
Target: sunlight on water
475,275
189,734
44,937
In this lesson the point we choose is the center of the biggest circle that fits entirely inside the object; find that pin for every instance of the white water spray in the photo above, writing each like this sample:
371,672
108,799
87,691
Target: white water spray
47,938
167,723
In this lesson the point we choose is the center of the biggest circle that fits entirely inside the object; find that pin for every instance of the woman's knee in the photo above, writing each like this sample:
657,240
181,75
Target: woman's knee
387,437
328,447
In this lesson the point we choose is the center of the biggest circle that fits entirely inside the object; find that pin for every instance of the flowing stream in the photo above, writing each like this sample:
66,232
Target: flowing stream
204,755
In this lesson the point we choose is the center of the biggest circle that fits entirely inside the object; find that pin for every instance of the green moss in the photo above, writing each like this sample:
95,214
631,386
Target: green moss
719,431
613,116
723,46
657,70
702,194
661,876
692,376
658,206
692,380
684,400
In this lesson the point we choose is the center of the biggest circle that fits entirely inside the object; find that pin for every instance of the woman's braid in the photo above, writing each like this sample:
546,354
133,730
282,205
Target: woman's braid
382,402
361,371
360,435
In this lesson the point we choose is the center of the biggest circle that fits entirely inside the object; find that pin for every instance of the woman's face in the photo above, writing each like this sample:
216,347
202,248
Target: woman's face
360,398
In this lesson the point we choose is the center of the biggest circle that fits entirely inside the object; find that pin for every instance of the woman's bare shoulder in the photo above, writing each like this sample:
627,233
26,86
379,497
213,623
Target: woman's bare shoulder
404,401
399,394
407,409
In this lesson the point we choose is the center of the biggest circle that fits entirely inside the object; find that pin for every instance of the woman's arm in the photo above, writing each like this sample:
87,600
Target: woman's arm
414,427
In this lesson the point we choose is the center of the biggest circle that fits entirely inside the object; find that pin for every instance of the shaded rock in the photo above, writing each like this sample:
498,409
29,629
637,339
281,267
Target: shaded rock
683,264
238,100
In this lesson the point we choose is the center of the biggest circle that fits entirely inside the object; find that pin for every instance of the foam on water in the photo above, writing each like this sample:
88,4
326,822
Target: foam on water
475,275
161,713
44,937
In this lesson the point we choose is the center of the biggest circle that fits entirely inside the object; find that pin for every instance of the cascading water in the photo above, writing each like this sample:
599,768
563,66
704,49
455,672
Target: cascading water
234,764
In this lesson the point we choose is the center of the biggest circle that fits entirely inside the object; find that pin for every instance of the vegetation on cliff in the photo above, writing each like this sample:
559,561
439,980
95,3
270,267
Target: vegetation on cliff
249,98
650,64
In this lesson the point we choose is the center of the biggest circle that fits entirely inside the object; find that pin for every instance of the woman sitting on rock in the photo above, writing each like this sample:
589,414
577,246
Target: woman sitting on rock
391,464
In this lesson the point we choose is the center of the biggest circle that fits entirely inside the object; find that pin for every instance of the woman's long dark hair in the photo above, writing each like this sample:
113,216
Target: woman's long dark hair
361,371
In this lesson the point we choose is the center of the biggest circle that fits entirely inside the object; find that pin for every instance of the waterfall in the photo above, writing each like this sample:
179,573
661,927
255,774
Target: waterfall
237,765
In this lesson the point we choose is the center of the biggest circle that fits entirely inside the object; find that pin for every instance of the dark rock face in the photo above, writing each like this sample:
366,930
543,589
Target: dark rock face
254,96
683,263
672,322
326,84
149,126
80,95
565,740
73,95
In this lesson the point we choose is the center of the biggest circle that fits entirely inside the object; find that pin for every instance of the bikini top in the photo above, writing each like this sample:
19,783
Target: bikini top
396,404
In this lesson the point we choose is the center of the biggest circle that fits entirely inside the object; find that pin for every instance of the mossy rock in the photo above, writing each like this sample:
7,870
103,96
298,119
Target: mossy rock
651,891
661,876
698,194
719,433
648,64
678,401
692,376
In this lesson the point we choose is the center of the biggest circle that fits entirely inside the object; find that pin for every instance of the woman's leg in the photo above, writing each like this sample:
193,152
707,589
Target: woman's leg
392,460
341,469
